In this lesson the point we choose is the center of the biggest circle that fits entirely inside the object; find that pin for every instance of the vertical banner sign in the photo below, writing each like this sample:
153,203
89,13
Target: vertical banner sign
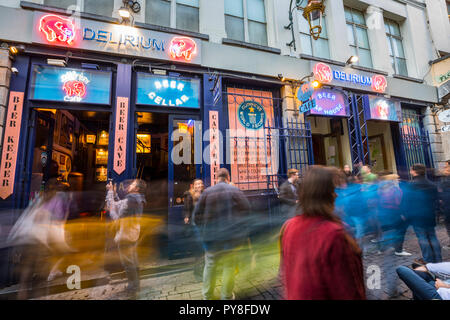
214,147
11,144
120,137
252,150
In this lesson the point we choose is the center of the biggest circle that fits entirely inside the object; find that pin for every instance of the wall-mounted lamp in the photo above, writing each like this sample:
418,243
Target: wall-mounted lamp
129,7
281,77
352,60
313,12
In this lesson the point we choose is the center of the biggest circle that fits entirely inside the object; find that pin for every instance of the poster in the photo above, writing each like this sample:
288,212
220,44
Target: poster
253,153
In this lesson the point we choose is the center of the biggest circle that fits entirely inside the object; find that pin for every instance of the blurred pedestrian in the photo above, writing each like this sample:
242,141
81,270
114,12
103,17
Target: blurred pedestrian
444,196
288,194
219,215
428,282
39,233
319,260
127,213
420,204
349,177
191,198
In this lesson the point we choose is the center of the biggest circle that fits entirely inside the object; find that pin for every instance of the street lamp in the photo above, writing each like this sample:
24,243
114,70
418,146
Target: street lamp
313,12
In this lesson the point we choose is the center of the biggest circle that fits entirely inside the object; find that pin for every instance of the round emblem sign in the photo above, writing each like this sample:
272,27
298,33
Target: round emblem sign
251,115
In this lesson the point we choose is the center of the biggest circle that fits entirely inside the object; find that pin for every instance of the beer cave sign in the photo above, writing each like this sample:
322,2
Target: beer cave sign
114,38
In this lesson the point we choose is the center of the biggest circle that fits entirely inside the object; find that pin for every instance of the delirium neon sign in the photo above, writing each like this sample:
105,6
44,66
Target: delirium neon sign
325,74
74,85
57,29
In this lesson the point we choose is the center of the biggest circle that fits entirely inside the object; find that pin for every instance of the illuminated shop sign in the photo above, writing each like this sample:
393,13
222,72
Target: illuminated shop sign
168,91
304,97
114,38
329,103
70,85
383,109
57,29
325,74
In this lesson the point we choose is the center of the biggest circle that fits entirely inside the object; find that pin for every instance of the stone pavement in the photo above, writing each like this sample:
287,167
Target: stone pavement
259,281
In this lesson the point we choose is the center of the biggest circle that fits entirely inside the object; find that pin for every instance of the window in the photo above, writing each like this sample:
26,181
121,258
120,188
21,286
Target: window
396,47
188,15
245,20
157,12
317,48
64,4
100,7
357,36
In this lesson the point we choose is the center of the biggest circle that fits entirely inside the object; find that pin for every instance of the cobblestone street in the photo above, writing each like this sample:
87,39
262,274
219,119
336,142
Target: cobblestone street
262,285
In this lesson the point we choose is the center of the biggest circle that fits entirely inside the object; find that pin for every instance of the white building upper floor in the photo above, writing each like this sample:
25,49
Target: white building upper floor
398,37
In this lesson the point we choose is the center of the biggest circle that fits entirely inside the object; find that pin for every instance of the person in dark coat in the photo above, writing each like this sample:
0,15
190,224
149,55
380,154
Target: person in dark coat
288,194
191,198
220,214
420,205
319,260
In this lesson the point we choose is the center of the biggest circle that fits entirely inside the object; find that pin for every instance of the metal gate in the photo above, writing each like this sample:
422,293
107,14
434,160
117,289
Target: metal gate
289,141
357,129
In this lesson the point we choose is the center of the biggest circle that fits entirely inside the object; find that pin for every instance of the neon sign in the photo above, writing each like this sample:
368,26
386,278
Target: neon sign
74,85
329,103
170,101
325,74
182,48
57,29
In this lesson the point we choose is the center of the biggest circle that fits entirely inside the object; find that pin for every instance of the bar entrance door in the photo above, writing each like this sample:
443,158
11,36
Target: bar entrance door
185,159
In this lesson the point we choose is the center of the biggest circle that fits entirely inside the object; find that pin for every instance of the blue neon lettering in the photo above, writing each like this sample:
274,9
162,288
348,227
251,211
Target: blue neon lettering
92,34
101,36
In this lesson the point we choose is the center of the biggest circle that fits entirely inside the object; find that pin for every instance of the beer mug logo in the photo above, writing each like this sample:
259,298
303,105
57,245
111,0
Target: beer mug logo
323,72
183,48
57,29
379,83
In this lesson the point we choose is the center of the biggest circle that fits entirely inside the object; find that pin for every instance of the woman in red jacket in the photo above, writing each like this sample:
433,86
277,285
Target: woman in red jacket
319,260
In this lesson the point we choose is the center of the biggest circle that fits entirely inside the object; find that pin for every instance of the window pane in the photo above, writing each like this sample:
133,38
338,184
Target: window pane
321,48
387,26
391,53
234,7
255,10
235,28
257,33
365,58
402,70
305,42
398,47
192,3
60,3
348,15
363,40
157,12
358,17
351,37
393,64
187,18
303,24
100,7
324,33
354,52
